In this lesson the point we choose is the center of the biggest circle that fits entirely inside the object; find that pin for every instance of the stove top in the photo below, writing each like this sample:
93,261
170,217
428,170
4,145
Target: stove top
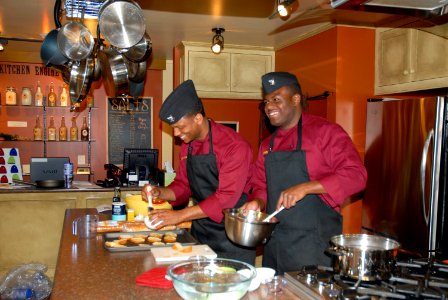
411,279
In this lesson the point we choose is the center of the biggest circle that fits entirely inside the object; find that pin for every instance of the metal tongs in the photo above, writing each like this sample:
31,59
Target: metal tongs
268,218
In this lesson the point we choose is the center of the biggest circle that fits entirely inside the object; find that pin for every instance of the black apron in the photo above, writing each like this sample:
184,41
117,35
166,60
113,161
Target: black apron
203,176
304,230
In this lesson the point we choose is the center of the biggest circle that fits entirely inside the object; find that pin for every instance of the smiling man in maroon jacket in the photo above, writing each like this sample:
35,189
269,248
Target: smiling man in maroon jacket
309,166
215,165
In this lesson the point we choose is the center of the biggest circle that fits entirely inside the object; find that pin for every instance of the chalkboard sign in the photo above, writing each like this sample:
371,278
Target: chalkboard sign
129,126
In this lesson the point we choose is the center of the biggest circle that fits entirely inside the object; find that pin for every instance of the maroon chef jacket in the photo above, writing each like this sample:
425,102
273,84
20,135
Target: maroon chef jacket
234,161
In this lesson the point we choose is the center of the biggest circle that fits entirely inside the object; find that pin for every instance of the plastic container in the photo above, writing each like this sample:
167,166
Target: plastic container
26,96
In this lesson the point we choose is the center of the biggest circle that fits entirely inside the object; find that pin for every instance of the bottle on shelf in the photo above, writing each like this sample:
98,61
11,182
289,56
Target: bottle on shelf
51,96
26,96
38,97
11,96
73,130
84,130
38,130
63,130
51,130
64,96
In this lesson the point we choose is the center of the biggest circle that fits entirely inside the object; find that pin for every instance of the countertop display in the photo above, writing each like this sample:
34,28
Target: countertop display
85,270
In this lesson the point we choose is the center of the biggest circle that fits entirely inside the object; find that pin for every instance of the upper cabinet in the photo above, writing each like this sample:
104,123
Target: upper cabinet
235,73
410,60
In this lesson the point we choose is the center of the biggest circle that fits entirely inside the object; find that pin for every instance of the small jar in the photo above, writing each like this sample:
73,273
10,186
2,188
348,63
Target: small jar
26,96
11,96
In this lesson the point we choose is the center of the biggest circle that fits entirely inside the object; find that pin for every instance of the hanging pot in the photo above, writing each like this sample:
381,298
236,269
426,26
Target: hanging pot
363,256
49,51
81,79
140,51
121,23
75,41
136,70
114,71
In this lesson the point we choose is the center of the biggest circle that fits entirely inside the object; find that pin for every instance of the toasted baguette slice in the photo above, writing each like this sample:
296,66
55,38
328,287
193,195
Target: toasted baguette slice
180,248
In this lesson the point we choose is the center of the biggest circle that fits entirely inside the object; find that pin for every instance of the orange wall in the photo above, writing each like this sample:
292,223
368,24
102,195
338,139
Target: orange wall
341,61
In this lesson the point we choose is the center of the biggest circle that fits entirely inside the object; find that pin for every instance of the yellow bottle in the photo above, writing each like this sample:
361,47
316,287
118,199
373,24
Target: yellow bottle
51,96
64,96
84,130
73,130
63,130
38,130
51,130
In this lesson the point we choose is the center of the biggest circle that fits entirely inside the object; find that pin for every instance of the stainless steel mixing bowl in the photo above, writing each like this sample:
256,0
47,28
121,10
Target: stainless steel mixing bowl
247,228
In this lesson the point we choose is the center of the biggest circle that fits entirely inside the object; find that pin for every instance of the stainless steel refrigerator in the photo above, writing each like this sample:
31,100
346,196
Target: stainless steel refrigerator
406,159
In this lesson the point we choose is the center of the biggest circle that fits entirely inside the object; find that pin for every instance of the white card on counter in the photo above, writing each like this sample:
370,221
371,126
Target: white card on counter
165,254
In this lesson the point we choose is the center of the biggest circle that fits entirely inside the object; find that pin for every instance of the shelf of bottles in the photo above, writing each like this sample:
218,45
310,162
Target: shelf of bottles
49,132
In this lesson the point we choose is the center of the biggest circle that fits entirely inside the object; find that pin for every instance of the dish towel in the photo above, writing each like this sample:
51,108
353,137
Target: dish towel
155,278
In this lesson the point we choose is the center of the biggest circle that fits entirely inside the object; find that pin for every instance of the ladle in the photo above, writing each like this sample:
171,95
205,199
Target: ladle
268,218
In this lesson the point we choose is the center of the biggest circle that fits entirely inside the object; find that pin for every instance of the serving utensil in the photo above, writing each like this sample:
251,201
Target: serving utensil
268,218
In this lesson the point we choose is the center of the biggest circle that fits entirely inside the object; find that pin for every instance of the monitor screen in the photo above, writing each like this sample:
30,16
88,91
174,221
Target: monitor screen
141,162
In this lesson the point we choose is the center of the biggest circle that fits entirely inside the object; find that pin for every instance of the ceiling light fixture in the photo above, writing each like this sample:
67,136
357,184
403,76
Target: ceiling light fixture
284,7
218,40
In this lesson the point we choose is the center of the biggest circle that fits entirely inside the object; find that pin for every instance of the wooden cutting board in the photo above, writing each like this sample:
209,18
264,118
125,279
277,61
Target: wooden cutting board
165,254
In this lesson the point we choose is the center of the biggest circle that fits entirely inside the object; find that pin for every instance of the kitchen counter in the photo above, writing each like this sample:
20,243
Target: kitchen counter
32,221
85,270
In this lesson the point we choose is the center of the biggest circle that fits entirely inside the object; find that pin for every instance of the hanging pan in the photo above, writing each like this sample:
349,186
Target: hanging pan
75,41
114,71
121,23
140,51
81,79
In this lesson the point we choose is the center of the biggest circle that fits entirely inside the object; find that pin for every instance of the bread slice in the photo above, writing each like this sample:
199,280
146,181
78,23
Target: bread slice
180,248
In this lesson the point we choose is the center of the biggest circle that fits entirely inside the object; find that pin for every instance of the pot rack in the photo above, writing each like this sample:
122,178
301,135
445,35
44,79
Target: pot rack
77,11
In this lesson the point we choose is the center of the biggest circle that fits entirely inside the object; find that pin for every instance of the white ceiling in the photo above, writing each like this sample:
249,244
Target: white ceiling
244,25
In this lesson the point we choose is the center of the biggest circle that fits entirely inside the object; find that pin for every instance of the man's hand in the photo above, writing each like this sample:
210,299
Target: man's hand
255,204
149,192
289,197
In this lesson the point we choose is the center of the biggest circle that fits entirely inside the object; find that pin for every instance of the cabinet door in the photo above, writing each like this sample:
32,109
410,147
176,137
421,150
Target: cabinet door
209,72
394,54
430,61
246,72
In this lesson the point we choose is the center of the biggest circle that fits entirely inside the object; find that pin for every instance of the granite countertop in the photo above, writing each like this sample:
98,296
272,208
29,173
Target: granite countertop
86,270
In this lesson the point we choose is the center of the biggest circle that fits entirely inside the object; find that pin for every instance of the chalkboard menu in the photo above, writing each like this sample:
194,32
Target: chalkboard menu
129,126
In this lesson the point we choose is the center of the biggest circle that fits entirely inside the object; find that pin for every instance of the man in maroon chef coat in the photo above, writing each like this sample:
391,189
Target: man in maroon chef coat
309,166
215,165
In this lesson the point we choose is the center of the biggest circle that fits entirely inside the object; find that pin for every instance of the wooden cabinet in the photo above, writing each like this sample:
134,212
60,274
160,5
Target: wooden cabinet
410,60
235,73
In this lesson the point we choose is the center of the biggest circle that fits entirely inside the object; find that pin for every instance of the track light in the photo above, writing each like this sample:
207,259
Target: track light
218,40
3,43
284,7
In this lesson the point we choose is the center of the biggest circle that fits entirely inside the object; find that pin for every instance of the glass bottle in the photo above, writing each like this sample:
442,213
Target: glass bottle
73,130
84,130
51,96
51,130
26,96
64,96
63,130
11,96
38,97
38,130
